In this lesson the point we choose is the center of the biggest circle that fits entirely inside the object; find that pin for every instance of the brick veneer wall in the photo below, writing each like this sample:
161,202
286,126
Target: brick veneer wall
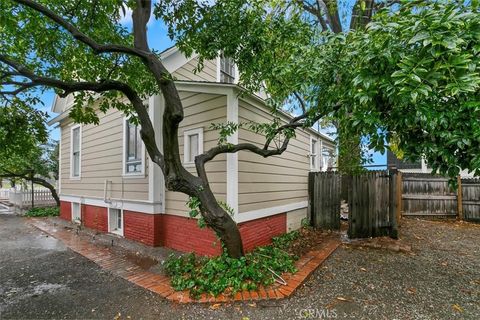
179,233
259,232
95,217
66,210
183,234
142,227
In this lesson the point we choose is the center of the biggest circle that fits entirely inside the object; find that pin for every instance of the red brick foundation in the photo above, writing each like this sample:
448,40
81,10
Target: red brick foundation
183,234
66,210
95,217
142,227
176,232
260,232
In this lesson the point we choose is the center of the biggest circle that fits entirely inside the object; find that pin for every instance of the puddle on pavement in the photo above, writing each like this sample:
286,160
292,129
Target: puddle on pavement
12,294
143,262
48,288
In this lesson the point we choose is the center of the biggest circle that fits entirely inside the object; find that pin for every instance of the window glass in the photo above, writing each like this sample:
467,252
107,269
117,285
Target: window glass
313,154
76,152
134,149
227,70
193,143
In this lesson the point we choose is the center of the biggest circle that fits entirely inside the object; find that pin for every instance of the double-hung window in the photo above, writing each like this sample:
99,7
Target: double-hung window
75,157
133,149
227,69
193,145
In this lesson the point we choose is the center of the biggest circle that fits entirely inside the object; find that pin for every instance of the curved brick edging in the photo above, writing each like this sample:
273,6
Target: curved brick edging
160,284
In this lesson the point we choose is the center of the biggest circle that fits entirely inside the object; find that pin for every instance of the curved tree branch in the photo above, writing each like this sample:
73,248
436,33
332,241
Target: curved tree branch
68,87
28,176
80,36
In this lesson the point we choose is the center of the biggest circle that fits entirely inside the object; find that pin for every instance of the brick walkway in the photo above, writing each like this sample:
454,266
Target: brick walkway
160,284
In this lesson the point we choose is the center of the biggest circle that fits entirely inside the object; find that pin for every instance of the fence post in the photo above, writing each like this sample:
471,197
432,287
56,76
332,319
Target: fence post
393,204
311,200
399,190
459,198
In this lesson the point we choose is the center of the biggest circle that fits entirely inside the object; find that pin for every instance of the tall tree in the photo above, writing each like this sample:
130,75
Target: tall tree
80,48
99,60
412,75
25,153
339,16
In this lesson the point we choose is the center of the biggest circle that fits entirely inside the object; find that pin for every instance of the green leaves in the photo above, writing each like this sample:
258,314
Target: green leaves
223,274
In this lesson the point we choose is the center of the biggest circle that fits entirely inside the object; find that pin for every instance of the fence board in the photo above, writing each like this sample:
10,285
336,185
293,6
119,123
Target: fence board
325,191
428,195
471,199
372,205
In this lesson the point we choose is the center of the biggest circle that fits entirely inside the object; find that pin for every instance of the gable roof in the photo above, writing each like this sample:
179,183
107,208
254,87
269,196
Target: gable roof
171,57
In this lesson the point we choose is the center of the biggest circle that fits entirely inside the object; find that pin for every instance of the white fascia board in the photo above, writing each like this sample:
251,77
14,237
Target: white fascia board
130,205
266,212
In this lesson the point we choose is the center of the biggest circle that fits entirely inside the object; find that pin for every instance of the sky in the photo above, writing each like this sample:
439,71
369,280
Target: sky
159,40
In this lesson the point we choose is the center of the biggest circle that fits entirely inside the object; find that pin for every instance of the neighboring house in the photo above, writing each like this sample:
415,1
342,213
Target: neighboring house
415,167
108,182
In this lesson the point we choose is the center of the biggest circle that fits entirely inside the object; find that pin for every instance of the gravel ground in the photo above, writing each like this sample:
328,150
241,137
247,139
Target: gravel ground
440,279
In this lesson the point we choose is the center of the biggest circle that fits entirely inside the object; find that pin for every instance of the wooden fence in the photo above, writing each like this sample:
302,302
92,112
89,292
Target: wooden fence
372,202
378,199
325,195
23,199
431,196
4,194
470,204
372,199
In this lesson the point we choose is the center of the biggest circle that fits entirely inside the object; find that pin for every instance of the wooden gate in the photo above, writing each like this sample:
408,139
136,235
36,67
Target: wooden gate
373,205
373,200
470,200
324,196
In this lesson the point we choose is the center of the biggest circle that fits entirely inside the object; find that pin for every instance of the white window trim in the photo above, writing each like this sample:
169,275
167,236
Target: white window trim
219,72
117,232
315,167
80,213
186,145
126,174
72,177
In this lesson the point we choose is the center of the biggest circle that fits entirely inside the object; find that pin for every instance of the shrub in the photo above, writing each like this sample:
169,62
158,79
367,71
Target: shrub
43,212
224,274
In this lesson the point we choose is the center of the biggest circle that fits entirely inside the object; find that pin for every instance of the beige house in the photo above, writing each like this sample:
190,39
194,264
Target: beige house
108,182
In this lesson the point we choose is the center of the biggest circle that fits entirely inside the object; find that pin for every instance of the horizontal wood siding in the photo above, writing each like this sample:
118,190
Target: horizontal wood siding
101,159
277,180
201,110
208,73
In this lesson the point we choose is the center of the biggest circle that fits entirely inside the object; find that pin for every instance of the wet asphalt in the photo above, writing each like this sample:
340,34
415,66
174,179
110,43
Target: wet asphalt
42,279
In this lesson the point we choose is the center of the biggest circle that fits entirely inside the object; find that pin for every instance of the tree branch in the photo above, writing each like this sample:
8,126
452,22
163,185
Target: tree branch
147,130
80,36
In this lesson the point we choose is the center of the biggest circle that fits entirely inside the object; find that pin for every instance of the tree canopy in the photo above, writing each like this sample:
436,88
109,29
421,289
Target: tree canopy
411,77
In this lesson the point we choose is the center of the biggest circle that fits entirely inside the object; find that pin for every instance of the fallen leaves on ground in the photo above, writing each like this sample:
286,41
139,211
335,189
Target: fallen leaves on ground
215,306
457,308
343,299
412,290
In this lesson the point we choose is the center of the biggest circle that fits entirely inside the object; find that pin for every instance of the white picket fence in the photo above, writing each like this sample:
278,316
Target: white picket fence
4,193
23,199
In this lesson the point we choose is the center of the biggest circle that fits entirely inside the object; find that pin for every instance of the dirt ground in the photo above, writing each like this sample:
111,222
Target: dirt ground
438,279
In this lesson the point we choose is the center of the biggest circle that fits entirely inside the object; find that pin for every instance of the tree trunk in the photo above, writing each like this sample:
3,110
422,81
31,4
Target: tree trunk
222,223
349,153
